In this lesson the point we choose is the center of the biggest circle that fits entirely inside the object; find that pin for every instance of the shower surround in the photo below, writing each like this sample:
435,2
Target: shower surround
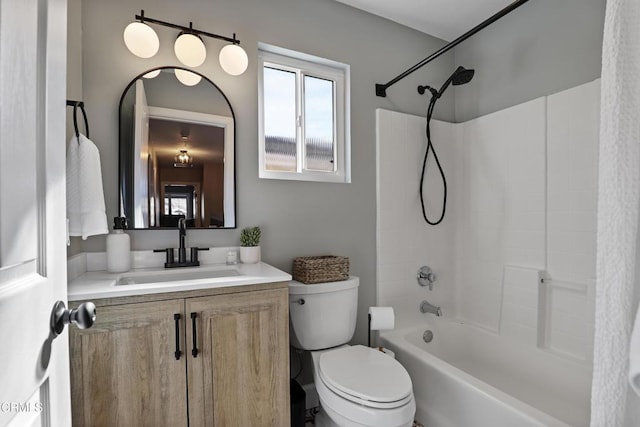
515,254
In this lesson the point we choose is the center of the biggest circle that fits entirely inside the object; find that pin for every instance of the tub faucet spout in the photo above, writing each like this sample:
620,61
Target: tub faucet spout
426,307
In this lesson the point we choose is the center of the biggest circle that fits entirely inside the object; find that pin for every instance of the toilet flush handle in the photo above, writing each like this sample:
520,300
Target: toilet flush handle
300,301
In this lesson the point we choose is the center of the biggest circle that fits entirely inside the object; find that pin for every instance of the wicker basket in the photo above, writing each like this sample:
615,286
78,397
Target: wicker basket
318,269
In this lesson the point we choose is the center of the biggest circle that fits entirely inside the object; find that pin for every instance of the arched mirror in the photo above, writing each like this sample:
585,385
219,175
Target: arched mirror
177,135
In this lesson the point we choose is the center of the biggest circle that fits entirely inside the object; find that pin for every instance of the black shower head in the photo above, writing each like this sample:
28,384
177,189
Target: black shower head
461,76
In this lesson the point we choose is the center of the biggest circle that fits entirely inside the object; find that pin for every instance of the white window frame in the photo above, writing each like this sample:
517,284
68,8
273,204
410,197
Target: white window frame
313,66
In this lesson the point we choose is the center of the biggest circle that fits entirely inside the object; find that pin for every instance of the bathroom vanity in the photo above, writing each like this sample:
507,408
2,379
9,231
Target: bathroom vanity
176,352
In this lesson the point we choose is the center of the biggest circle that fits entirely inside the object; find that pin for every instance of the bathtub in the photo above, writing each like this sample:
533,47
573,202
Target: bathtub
467,376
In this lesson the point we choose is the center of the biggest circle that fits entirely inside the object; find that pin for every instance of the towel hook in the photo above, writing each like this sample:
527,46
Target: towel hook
75,105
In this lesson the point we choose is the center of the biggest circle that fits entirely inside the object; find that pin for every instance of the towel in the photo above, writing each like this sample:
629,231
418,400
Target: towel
634,356
618,213
85,196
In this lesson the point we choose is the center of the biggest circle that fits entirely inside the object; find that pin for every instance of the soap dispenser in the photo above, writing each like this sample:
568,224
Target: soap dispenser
118,247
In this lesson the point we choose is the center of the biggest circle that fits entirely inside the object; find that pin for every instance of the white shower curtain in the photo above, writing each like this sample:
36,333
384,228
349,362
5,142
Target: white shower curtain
612,402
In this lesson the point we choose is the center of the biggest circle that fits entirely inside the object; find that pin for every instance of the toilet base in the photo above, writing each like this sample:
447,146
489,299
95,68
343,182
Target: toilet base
323,420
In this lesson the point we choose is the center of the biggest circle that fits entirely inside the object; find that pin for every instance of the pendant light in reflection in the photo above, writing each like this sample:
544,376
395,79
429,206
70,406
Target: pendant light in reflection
187,78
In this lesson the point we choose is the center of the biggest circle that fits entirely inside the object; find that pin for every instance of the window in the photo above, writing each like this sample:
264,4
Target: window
304,117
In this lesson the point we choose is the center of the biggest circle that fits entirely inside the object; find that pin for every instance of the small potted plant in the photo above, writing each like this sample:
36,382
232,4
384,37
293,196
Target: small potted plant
250,245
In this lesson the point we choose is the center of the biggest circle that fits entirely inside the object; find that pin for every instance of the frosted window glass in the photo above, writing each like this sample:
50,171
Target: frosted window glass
279,119
319,124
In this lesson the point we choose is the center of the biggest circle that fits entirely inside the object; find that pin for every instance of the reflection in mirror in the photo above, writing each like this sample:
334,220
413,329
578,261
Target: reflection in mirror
176,153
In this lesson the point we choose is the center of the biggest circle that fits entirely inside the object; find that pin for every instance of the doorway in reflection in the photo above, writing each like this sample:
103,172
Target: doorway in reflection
186,173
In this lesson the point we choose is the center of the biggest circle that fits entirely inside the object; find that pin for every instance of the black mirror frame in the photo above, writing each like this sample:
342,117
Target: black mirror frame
122,178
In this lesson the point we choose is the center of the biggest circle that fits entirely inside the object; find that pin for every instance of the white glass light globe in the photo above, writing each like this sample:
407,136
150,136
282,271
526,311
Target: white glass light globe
233,59
152,74
188,78
141,40
190,50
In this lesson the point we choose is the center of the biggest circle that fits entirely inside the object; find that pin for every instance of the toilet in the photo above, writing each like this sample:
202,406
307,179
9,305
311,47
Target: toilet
357,386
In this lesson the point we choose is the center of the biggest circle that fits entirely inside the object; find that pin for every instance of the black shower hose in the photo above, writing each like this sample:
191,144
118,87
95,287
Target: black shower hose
430,147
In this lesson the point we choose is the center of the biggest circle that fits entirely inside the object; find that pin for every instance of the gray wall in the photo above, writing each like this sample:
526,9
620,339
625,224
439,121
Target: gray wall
541,48
297,218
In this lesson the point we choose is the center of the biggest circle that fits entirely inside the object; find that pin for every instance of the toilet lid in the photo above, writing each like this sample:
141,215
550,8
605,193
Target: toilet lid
365,373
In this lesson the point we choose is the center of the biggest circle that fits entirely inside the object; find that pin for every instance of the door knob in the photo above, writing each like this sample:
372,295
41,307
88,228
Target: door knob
83,317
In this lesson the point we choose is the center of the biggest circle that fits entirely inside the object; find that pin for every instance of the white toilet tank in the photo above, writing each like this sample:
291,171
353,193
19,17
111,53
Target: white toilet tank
322,315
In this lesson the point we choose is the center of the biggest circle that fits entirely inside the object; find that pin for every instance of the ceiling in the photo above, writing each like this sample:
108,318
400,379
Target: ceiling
205,143
445,19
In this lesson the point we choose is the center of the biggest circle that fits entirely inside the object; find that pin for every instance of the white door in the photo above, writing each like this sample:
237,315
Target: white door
141,164
34,368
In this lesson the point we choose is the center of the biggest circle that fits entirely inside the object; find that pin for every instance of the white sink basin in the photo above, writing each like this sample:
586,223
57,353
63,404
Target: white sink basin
176,276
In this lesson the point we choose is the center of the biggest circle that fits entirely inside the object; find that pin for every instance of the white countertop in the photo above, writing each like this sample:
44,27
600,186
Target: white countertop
101,284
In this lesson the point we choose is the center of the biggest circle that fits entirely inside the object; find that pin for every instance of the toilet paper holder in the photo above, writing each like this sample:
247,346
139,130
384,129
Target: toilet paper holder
385,314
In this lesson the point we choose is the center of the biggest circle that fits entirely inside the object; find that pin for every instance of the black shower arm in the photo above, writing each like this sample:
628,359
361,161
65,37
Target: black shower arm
381,89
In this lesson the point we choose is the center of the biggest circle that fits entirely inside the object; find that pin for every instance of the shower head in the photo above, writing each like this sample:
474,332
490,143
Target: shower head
459,77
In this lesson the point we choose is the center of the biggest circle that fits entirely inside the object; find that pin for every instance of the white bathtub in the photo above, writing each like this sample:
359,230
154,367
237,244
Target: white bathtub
470,377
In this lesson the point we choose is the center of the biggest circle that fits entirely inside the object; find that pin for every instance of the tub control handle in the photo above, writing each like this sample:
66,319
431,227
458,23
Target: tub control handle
426,277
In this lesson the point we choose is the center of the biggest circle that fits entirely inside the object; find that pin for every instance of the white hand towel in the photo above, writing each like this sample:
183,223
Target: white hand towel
85,196
634,356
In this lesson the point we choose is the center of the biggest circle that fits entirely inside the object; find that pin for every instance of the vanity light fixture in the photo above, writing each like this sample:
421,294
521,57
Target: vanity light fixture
141,40
189,48
233,59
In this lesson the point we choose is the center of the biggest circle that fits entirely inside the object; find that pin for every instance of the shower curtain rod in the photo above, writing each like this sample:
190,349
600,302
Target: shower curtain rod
381,89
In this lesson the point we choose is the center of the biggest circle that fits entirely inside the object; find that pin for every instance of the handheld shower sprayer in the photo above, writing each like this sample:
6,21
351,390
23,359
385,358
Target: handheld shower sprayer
459,77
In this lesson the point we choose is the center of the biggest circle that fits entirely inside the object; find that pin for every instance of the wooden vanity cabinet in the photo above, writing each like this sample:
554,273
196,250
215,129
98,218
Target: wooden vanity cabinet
233,372
123,370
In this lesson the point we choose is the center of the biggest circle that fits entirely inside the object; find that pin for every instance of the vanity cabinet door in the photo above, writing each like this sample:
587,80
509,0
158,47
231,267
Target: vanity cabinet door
124,370
240,374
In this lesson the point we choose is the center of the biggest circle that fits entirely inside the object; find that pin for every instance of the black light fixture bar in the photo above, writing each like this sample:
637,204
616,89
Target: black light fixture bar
189,29
381,89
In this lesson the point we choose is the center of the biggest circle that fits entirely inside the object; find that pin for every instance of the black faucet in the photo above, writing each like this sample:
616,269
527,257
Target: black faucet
182,233
182,250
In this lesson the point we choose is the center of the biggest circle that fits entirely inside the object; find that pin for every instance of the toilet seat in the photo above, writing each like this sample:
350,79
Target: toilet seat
365,376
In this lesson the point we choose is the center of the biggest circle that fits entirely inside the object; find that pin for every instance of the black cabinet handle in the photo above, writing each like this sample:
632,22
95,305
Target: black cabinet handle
178,353
194,350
